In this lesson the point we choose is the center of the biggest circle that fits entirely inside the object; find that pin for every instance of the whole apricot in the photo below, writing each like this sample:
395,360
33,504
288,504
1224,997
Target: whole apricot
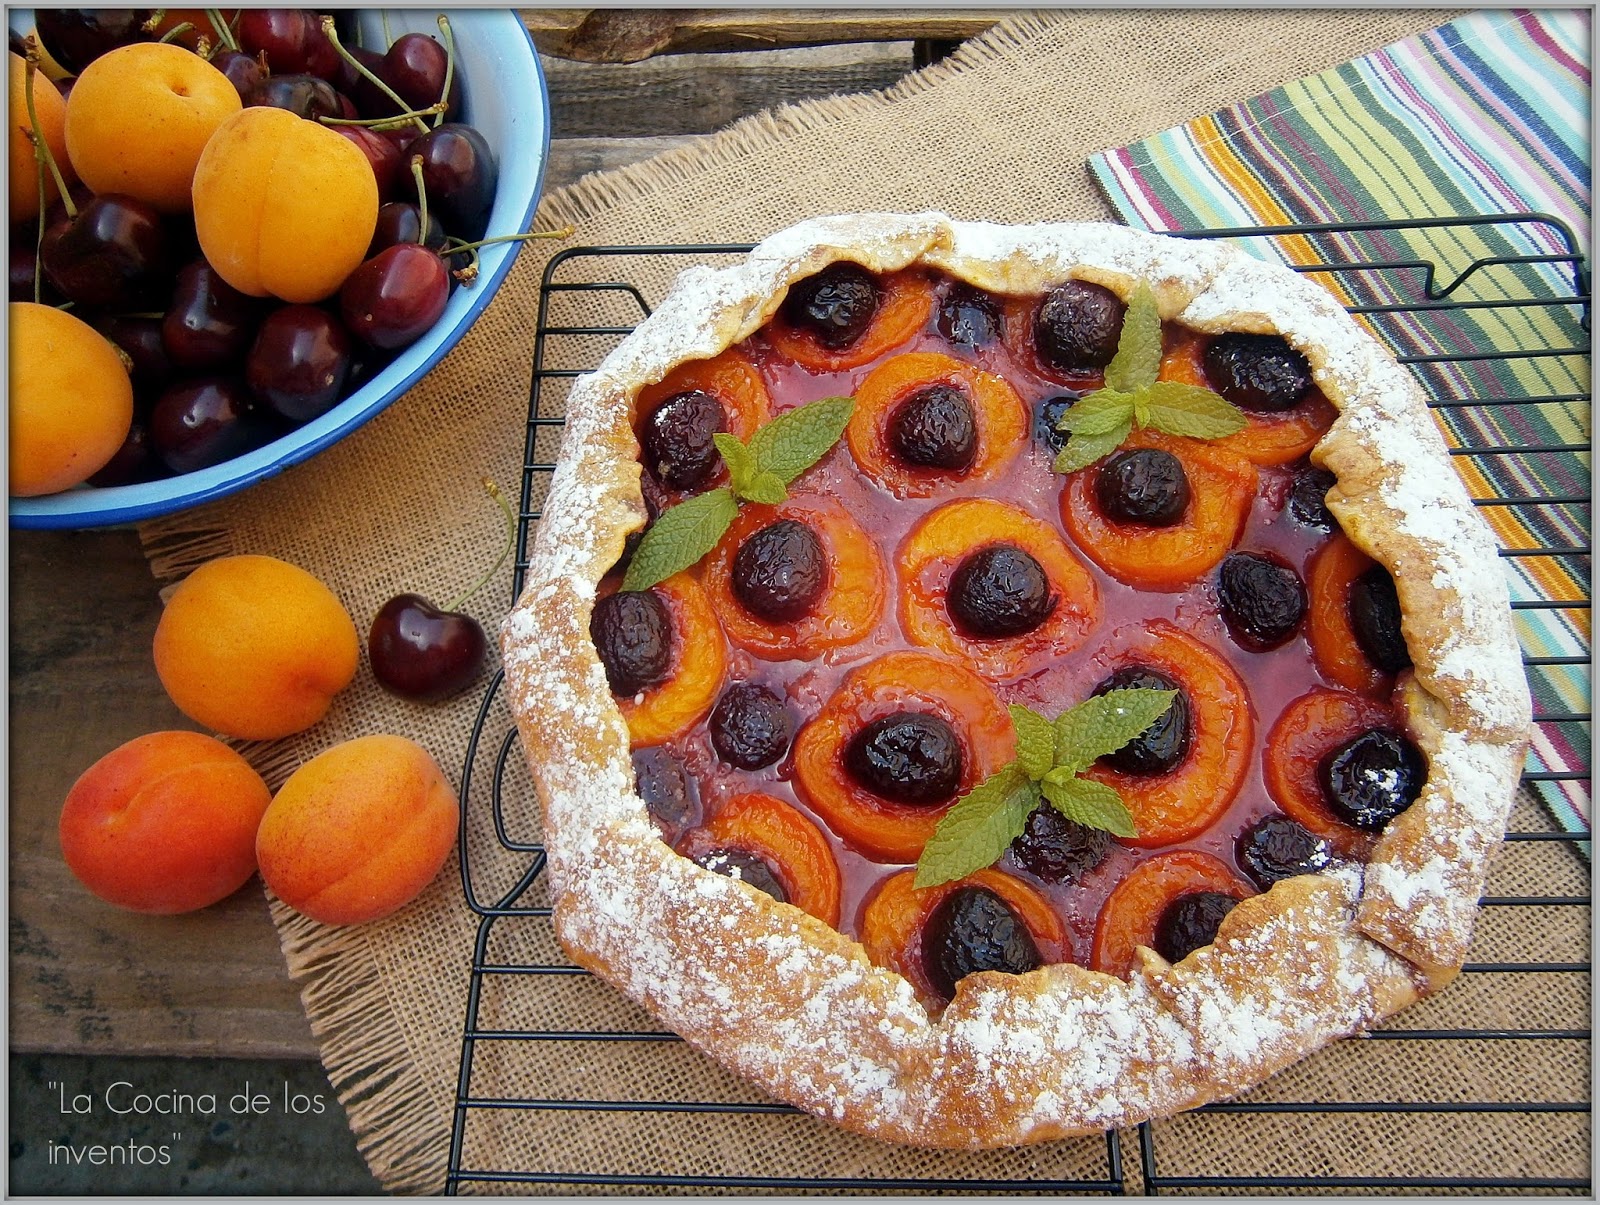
359,830
140,115
164,823
283,206
254,647
51,108
71,401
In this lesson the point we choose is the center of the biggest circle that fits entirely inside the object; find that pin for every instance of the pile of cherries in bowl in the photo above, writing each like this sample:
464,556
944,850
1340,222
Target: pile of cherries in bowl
216,372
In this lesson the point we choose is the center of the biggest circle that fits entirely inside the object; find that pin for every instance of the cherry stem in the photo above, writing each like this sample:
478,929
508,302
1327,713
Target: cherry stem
176,32
332,35
41,148
220,24
449,66
505,551
565,232
393,121
153,21
422,199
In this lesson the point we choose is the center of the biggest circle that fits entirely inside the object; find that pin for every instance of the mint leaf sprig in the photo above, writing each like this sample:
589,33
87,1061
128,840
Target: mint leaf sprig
760,471
1099,422
1051,758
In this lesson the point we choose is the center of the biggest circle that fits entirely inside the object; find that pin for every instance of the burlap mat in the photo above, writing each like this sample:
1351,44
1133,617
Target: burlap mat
1001,132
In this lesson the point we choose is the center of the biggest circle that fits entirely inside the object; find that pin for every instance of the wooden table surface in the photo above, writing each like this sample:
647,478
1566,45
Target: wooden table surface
88,979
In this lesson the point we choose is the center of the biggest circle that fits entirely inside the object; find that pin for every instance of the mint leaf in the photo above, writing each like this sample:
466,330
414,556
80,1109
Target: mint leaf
795,440
679,537
764,487
976,831
1104,723
1189,410
1138,357
1036,742
1092,804
1083,450
1097,413
741,465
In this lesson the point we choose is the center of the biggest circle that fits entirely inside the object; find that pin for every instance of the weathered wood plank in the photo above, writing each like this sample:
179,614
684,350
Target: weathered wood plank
630,35
572,158
699,93
85,977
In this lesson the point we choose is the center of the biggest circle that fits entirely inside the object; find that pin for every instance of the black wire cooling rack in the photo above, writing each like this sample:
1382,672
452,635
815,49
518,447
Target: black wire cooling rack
1518,1017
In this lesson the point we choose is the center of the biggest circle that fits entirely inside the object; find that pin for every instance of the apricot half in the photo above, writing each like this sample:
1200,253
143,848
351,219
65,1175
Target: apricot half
938,545
699,660
1275,438
1222,489
1185,801
1308,730
283,206
1129,917
852,596
1338,654
732,380
139,118
70,400
792,846
905,300
882,829
999,418
893,921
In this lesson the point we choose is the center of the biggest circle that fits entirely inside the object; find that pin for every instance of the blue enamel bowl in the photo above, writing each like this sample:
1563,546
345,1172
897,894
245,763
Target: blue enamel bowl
505,97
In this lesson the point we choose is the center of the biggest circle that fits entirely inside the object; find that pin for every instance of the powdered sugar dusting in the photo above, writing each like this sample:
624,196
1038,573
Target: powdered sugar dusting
797,1006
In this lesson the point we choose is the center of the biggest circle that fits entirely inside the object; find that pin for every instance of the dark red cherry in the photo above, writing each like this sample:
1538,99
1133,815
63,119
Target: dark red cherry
209,323
24,263
999,591
633,634
1077,327
244,71
972,930
1308,498
675,439
780,571
135,461
388,163
836,305
140,337
423,653
1275,848
1147,486
415,66
750,726
747,867
291,39
204,422
1049,414
1057,849
1374,610
669,791
305,96
401,222
908,757
935,428
1190,923
1262,600
368,96
75,37
969,317
1370,780
1162,746
460,174
1257,372
392,299
298,363
113,255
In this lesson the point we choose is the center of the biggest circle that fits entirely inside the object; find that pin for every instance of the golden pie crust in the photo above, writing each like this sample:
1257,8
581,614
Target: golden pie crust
796,1006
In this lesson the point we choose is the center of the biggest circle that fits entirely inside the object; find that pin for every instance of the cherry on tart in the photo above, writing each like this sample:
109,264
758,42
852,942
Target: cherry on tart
1069,334
1139,542
783,593
987,583
875,762
1178,785
677,415
664,658
845,316
1285,413
925,420
1149,908
934,936
789,847
1353,620
1344,799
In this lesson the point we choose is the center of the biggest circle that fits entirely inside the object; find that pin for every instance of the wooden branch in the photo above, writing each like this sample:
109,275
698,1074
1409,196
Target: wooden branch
629,35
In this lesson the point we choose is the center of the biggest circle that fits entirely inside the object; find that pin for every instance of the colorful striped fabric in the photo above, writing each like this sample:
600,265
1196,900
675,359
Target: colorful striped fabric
1488,115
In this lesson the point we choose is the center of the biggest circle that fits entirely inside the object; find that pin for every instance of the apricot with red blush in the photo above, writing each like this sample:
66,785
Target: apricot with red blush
695,668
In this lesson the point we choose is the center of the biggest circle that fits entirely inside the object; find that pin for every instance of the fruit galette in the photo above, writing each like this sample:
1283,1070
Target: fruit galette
988,684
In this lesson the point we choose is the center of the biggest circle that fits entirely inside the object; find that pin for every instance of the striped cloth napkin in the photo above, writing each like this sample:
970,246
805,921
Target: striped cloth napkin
1488,115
